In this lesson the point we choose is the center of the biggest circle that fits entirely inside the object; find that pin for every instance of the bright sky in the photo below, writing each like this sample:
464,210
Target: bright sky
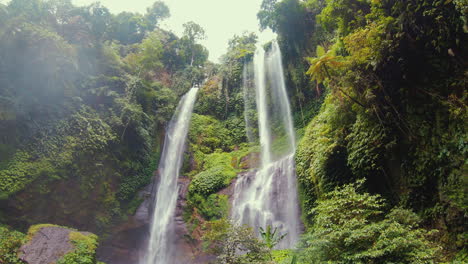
221,19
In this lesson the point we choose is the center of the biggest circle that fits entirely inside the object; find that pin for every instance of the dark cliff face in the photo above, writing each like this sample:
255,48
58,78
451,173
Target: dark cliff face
64,205
128,241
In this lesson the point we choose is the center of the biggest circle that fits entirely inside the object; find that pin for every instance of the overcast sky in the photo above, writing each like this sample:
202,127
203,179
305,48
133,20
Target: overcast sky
221,19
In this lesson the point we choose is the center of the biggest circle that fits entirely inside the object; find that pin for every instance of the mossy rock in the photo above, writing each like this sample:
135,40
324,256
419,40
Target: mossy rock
47,243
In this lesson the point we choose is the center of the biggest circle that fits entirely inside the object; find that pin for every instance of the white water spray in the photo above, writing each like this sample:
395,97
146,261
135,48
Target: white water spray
269,197
160,250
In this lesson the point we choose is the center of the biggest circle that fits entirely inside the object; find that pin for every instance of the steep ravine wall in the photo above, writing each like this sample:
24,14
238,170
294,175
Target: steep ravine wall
127,241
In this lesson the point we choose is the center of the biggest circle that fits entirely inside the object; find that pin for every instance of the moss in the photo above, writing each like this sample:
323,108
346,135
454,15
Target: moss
85,245
35,228
90,240
85,249
133,205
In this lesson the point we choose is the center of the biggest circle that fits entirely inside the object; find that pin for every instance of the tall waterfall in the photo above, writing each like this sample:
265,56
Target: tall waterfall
160,244
269,197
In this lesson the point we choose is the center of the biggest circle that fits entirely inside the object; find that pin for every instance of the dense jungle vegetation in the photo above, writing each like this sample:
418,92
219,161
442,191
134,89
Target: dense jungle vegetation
378,90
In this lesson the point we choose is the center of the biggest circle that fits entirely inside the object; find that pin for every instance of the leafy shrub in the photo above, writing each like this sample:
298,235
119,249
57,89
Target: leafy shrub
320,164
367,145
20,171
212,180
226,241
213,207
217,159
10,242
208,134
209,100
85,249
351,227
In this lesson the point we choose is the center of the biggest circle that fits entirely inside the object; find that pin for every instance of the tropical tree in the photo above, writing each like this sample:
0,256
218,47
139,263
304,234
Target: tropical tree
351,227
193,32
227,240
270,237
321,67
157,12
128,28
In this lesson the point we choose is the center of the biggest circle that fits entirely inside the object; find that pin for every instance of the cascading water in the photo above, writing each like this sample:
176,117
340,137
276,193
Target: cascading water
269,197
160,245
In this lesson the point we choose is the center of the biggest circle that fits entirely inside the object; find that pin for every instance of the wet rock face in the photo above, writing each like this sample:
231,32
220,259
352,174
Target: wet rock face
184,250
250,161
48,245
128,242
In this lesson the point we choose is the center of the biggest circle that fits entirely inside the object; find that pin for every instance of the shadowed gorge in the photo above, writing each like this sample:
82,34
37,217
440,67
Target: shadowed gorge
329,131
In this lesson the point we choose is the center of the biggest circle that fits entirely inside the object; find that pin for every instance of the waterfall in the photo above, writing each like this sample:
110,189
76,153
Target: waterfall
160,244
269,196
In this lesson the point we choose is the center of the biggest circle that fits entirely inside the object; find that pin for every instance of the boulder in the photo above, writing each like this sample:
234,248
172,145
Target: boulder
47,244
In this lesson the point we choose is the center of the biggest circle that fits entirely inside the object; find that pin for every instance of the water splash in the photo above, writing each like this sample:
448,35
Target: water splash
160,245
269,196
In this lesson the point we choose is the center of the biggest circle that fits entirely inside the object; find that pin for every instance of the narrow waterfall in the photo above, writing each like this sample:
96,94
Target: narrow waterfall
269,197
160,244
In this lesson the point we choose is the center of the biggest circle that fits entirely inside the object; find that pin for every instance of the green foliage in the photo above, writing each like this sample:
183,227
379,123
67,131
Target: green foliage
212,180
230,96
350,227
226,240
10,242
344,15
84,251
148,56
21,170
368,146
157,12
283,256
91,133
323,64
321,154
130,28
193,31
207,134
270,237
85,96
393,69
211,207
209,99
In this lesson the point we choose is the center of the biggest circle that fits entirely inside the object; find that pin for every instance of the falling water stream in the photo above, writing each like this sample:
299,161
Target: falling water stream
160,249
269,196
